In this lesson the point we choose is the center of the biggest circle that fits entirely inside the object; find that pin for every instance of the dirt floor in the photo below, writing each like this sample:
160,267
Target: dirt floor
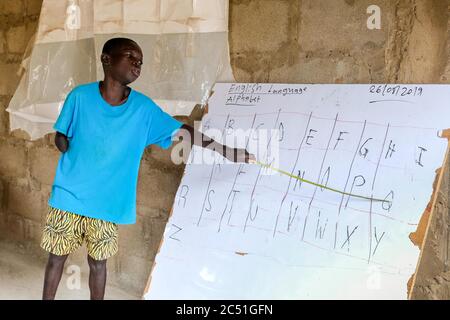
21,278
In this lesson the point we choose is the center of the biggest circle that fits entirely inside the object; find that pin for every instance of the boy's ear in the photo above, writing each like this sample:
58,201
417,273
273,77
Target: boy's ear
105,59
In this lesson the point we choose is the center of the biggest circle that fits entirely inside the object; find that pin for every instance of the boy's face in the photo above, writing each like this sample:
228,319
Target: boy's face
124,64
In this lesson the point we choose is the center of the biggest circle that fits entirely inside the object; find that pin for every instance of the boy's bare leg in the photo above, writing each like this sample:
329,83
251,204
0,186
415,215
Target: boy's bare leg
53,273
97,278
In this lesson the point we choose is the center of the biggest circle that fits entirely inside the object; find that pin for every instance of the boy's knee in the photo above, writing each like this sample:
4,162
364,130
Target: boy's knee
55,260
96,265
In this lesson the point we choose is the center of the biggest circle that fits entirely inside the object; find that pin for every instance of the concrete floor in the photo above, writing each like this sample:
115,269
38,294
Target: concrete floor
21,278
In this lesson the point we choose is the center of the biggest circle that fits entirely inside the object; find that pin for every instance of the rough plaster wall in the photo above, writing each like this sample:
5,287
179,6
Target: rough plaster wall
433,275
416,51
423,42
310,41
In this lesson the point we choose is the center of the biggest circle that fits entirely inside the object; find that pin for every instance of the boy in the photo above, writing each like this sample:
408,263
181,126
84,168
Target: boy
102,132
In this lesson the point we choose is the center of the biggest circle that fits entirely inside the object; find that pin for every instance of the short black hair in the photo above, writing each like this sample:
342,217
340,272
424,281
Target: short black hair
115,43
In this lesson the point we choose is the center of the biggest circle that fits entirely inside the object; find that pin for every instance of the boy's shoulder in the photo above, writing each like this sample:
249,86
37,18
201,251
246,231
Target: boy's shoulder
142,96
85,87
144,100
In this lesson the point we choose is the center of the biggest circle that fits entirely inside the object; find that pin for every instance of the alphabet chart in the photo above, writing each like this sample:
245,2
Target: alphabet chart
244,231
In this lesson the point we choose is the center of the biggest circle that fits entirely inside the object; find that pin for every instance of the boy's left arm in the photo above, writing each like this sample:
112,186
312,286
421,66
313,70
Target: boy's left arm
202,140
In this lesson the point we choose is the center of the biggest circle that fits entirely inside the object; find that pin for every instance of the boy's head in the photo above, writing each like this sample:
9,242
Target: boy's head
122,60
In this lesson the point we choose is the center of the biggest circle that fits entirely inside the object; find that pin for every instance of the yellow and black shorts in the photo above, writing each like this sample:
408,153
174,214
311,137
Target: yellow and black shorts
65,231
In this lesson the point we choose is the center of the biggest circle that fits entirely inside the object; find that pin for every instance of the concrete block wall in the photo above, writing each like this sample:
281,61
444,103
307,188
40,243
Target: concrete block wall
288,41
21,193
307,41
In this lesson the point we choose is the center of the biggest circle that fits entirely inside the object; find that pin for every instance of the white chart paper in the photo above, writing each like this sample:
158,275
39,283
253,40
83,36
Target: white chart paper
239,231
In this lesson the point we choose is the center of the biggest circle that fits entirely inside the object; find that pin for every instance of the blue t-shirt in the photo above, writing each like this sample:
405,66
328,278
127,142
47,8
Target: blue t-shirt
97,175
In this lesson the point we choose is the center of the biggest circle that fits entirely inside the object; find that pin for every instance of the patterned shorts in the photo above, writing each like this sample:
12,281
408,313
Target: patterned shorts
64,233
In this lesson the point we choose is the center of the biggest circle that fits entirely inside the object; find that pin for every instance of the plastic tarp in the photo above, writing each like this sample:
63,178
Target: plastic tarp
184,42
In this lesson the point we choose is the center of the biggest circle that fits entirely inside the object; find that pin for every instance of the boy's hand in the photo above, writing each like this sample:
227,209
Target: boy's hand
239,155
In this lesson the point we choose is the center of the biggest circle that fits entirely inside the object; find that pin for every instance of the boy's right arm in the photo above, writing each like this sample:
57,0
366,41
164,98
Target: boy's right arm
61,142
64,124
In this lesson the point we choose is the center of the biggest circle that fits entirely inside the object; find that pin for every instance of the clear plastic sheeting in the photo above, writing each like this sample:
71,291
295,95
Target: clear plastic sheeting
184,42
